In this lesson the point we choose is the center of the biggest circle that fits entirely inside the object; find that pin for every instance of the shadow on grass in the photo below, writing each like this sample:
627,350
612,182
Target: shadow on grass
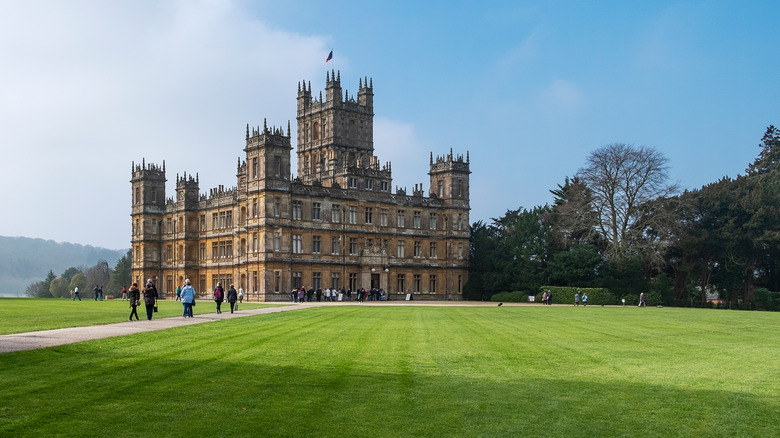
103,388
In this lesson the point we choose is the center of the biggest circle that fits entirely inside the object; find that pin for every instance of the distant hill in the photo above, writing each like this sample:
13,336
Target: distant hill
24,260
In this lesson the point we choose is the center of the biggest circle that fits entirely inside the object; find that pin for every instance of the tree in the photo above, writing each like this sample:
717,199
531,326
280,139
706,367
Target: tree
622,178
79,281
44,291
98,275
572,217
769,157
34,289
121,276
59,288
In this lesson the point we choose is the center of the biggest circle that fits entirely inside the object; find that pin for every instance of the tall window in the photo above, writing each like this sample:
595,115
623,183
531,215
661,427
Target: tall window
353,246
401,247
352,183
316,280
277,242
277,207
417,219
369,184
353,214
417,282
335,245
440,188
432,284
335,213
202,251
460,250
214,250
254,168
277,281
353,282
334,280
460,222
433,251
254,242
315,210
369,215
401,279
228,219
277,166
297,244
432,221
203,222
383,217
297,210
315,244
400,219
297,279
417,249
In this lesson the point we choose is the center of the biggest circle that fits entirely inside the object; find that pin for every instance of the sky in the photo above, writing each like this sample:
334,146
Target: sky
528,89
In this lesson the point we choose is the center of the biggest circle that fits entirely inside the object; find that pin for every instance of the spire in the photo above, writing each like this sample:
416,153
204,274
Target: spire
309,86
431,158
265,125
288,128
339,79
247,125
360,83
327,76
372,83
299,86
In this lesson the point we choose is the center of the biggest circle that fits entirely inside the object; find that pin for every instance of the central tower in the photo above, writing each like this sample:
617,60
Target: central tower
336,135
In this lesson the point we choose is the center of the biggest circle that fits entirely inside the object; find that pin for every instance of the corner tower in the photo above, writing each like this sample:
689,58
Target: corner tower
267,156
450,179
148,195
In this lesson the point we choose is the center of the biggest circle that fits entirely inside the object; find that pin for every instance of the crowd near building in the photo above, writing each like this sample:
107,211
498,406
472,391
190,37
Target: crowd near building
337,224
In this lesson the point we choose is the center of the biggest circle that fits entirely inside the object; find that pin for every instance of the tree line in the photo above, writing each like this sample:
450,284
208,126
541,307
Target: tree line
619,224
112,280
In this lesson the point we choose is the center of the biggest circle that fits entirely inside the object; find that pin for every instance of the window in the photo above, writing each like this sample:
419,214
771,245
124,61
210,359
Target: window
254,281
384,186
335,213
369,215
154,226
432,253
417,249
214,250
214,221
335,245
297,244
353,246
441,189
277,166
222,251
432,221
229,248
400,220
254,168
383,218
369,184
169,225
202,251
315,244
137,195
229,219
297,278
432,283
401,247
401,283
353,282
203,222
277,207
254,242
316,280
168,252
417,220
277,281
334,281
416,284
315,210
353,215
352,183
297,210
277,241
460,222
154,195
460,250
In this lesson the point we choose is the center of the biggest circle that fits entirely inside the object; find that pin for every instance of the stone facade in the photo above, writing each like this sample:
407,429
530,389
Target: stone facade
336,224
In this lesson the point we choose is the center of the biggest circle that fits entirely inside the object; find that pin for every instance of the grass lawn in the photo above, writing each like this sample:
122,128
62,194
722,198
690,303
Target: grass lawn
19,315
372,371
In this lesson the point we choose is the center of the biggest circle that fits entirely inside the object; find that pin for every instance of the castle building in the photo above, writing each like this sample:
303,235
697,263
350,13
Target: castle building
336,224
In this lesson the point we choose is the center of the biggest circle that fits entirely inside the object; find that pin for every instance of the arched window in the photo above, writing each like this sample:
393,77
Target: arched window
316,131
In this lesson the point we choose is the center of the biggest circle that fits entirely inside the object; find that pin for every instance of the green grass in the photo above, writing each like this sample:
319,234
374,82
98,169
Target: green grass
352,371
19,315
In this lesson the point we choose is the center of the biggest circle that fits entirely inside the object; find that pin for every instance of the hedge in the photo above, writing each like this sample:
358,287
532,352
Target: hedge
565,295
510,297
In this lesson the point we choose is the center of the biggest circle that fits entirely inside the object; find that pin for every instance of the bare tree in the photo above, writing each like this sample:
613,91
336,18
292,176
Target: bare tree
622,178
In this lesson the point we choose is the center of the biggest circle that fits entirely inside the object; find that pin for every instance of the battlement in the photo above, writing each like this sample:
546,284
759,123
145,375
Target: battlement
185,183
450,162
148,171
274,136
334,95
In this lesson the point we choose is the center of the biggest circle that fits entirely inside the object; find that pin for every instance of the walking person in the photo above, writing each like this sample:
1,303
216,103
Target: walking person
584,300
187,298
232,297
219,296
241,295
178,294
150,298
576,298
124,294
76,294
642,299
135,301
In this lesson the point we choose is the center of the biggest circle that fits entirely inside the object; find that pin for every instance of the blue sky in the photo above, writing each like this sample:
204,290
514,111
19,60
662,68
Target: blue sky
529,89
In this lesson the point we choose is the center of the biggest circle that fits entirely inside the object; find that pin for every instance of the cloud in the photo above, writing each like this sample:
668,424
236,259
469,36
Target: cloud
561,95
90,89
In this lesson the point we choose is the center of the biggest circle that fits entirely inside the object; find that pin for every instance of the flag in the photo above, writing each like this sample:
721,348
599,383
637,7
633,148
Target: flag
330,56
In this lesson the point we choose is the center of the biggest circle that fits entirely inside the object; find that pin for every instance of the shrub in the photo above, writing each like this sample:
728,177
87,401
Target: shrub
565,295
510,297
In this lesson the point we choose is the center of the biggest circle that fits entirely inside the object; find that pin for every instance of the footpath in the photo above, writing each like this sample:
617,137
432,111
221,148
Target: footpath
52,338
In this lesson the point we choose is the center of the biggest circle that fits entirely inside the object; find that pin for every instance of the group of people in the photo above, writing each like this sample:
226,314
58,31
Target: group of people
577,299
97,293
150,299
232,297
302,295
